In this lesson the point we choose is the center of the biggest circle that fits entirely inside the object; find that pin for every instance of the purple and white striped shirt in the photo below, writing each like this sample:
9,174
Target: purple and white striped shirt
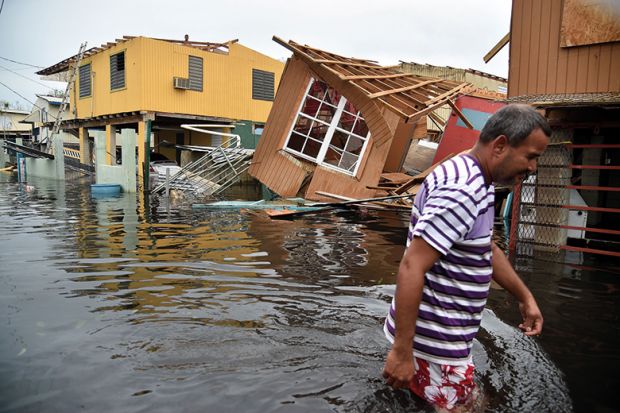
453,212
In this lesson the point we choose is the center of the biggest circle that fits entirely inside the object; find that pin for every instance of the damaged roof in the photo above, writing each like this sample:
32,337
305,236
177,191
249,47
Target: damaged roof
408,95
568,99
205,46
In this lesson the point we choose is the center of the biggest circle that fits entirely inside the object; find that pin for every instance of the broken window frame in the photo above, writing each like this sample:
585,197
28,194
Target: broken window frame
332,127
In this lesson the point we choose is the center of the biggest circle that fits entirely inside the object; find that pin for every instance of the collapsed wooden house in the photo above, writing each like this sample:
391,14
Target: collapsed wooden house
337,123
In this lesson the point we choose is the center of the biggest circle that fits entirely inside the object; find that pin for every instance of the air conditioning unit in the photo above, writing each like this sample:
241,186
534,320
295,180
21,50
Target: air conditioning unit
181,83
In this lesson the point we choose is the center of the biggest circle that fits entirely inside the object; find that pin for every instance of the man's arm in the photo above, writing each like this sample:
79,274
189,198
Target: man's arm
418,259
505,275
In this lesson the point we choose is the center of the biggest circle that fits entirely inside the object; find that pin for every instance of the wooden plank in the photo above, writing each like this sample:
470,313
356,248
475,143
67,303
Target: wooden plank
403,89
594,53
614,68
553,46
534,47
460,114
526,28
495,49
340,62
604,66
447,94
572,62
543,51
582,69
429,109
390,76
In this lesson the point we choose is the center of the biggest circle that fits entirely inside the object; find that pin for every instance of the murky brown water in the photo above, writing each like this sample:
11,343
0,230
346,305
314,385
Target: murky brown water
107,305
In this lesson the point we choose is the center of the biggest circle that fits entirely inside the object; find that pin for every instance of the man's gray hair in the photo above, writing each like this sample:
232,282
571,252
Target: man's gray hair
516,122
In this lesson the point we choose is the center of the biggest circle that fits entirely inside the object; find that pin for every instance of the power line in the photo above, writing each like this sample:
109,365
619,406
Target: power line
26,77
20,63
27,100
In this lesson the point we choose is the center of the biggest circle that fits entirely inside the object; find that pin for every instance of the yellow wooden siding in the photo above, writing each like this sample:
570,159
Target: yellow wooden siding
150,66
102,100
227,81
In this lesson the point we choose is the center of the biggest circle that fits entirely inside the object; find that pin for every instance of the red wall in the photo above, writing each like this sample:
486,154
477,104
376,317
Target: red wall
457,137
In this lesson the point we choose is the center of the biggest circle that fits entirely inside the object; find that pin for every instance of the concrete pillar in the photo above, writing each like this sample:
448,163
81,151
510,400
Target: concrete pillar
100,149
84,146
4,157
59,156
110,145
141,150
128,178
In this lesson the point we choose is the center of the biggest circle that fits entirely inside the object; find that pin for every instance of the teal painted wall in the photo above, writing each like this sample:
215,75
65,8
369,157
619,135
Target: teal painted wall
244,129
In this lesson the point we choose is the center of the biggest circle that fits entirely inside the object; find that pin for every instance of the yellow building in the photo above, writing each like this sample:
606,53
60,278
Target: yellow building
142,83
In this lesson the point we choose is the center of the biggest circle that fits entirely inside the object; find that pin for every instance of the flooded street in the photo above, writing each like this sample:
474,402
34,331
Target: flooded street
108,305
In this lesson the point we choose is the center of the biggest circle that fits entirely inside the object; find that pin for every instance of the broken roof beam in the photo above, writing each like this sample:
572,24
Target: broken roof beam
460,114
344,63
447,94
390,76
403,89
495,50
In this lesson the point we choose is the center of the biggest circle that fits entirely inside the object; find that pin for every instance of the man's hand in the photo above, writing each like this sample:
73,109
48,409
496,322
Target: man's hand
532,318
398,370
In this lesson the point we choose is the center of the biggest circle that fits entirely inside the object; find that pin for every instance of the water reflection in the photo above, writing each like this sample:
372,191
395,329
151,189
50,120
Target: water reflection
231,311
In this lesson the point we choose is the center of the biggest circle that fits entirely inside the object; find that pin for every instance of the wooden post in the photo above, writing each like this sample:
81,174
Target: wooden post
110,145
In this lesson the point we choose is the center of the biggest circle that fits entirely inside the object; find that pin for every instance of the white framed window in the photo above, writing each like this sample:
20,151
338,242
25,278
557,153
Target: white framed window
328,130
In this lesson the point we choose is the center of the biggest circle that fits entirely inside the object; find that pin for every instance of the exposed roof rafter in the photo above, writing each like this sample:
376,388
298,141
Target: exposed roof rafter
409,96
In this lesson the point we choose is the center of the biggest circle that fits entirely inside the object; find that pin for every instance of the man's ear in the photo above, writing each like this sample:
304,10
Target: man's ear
500,145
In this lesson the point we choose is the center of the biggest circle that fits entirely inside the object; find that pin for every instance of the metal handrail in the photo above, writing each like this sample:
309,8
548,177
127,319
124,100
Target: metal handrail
223,163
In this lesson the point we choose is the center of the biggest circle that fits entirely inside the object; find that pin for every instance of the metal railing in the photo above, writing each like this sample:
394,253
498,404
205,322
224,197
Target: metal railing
215,171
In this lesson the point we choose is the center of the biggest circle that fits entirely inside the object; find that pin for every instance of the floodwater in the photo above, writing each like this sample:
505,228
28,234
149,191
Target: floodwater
108,305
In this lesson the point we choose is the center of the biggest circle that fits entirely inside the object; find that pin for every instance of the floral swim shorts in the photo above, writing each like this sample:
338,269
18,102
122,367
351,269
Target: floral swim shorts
443,385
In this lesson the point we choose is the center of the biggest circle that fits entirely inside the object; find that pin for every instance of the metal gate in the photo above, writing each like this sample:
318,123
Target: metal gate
570,204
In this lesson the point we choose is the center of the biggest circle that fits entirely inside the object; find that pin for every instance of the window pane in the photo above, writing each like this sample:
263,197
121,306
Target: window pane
355,145
360,127
312,148
318,131
333,156
318,89
347,120
348,161
302,125
296,142
339,139
311,106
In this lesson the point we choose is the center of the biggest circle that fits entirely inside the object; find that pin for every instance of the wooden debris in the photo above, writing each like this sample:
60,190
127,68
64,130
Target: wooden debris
284,213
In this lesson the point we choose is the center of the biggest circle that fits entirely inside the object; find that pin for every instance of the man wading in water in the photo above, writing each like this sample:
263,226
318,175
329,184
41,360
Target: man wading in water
444,276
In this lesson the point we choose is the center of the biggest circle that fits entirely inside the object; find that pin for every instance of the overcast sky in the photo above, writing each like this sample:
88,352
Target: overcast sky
454,33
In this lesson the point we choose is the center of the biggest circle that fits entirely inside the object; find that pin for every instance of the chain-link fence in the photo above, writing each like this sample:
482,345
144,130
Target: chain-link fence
541,203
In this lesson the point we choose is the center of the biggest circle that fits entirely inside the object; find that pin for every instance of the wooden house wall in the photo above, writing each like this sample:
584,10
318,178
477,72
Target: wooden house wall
285,174
401,143
538,65
270,165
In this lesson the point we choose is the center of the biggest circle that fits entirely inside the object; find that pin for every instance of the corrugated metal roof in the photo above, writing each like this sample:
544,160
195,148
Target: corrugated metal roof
205,46
51,99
